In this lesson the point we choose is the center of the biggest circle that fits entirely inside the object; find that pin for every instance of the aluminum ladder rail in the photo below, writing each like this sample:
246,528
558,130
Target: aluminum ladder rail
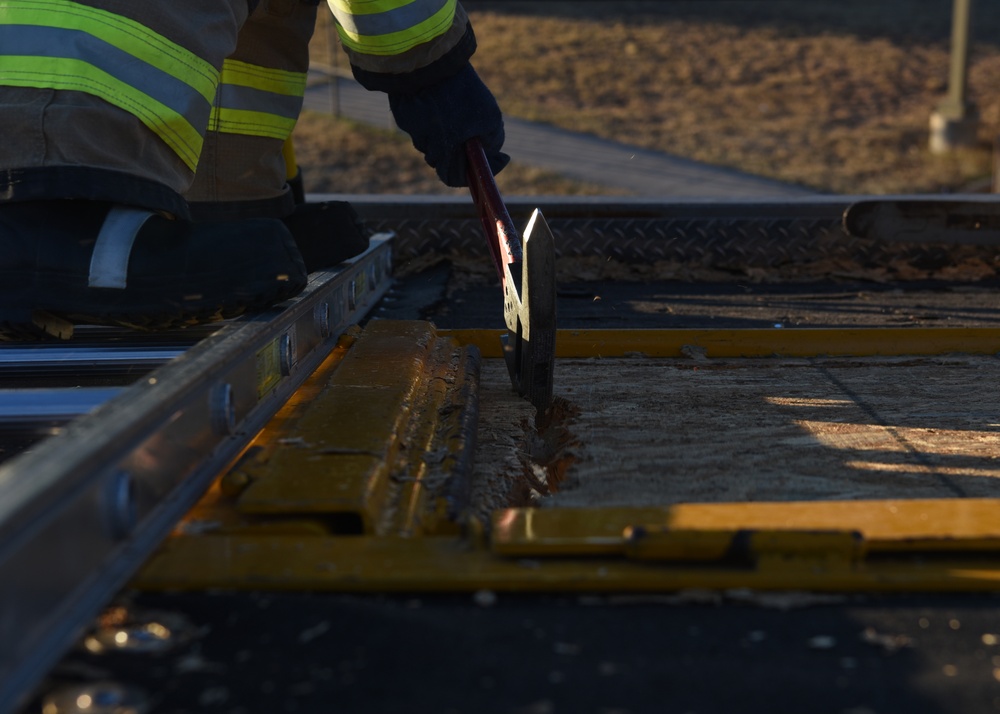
80,511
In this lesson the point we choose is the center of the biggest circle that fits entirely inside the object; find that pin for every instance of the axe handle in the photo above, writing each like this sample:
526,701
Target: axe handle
501,235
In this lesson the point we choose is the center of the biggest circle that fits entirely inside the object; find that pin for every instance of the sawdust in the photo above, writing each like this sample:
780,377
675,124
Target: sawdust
521,456
553,450
501,469
645,432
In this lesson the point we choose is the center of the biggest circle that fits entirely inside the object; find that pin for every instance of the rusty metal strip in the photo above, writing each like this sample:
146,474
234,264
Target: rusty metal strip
757,342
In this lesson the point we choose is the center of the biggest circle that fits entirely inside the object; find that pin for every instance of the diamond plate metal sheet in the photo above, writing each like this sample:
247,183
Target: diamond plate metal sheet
721,235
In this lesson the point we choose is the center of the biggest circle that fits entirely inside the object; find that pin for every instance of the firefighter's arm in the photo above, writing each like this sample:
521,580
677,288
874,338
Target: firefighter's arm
418,51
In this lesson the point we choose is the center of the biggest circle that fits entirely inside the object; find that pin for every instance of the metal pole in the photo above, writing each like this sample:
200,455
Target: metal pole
957,79
955,122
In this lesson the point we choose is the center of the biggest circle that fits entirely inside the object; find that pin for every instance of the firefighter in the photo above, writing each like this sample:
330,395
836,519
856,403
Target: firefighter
142,181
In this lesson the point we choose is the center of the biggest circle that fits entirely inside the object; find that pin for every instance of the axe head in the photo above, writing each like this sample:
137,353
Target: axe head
530,313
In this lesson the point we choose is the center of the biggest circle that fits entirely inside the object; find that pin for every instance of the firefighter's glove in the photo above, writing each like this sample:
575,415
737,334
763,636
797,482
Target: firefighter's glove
442,117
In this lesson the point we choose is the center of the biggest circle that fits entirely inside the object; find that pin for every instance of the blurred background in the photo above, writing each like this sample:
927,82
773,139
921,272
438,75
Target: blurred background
833,96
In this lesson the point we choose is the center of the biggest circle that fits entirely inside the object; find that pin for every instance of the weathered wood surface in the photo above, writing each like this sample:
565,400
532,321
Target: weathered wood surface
641,432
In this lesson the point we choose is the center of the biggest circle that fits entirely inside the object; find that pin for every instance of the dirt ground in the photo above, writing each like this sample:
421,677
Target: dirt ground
340,156
834,95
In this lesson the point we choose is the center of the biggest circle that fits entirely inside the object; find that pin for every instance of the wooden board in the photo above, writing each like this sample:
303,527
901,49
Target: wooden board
641,432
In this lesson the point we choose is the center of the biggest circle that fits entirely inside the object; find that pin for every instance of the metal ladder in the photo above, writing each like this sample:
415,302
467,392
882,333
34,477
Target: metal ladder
115,438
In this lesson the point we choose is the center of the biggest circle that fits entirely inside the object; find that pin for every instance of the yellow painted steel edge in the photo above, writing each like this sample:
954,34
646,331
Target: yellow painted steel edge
337,457
378,439
752,342
823,545
826,546
446,564
927,525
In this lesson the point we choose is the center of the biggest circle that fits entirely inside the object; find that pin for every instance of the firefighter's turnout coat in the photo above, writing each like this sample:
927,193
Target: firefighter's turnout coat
146,102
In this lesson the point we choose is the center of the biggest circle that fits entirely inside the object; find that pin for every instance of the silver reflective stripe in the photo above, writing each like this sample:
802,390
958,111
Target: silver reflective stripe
233,96
109,263
395,20
136,72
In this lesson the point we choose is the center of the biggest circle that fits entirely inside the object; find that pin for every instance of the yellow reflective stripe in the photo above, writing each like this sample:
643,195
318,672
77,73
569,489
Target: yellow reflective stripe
269,109
394,43
127,35
243,121
77,75
266,79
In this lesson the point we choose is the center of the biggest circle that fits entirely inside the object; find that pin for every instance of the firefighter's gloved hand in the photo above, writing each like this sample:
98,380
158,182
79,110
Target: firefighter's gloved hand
442,117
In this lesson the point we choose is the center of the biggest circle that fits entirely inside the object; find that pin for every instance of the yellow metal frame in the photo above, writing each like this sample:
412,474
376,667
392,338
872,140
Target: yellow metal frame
271,530
440,564
752,342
